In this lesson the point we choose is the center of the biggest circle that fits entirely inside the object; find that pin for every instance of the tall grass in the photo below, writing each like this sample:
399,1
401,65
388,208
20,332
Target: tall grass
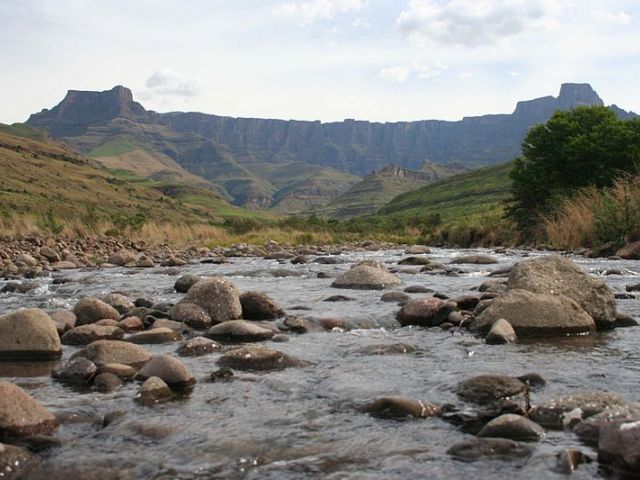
596,217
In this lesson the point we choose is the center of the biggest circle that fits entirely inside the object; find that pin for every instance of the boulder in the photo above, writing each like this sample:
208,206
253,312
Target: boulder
401,407
258,306
216,296
123,372
104,352
513,427
631,251
536,314
17,287
107,382
557,412
588,430
417,250
86,334
118,301
12,460
501,332
91,309
258,358
364,277
414,261
169,369
50,254
131,324
28,334
198,346
619,446
77,371
153,390
123,257
64,320
185,282
485,389
556,275
482,448
155,336
568,460
426,312
21,415
239,331
398,297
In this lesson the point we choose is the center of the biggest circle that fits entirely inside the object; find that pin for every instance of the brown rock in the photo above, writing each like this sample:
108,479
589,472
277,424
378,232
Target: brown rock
171,370
90,310
21,415
29,334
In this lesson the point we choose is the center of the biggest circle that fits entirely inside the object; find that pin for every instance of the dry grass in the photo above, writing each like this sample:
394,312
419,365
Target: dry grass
595,217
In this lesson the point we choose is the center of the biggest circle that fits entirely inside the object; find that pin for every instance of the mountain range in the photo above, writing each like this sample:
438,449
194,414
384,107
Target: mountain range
288,166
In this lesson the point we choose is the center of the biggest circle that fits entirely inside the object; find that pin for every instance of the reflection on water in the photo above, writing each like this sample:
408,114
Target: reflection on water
306,422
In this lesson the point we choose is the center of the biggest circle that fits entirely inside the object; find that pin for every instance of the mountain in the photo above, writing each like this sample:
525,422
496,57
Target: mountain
380,187
40,174
236,155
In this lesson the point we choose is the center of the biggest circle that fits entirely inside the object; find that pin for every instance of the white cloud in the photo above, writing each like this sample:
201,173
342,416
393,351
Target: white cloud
310,11
467,75
474,22
361,22
401,73
514,73
621,18
169,82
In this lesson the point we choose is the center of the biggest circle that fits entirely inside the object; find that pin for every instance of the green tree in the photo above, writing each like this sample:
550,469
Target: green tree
587,146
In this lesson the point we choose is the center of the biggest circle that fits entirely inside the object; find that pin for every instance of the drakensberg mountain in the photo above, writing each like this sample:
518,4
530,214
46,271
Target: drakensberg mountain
288,165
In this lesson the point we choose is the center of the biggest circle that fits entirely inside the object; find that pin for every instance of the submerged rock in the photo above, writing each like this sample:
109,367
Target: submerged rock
258,358
514,427
191,315
171,370
401,407
198,346
426,312
494,448
153,390
501,332
77,371
85,334
387,349
568,460
474,259
239,331
104,352
488,388
12,460
29,334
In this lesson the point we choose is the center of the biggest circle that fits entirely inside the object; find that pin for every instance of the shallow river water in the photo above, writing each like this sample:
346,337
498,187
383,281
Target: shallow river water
305,422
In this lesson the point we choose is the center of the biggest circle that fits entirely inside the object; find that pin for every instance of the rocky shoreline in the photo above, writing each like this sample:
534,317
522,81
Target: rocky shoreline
542,297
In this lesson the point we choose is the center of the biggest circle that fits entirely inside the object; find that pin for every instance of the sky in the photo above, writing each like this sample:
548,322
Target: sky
378,60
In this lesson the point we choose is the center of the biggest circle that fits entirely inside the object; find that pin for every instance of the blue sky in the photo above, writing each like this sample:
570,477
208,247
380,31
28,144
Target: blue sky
378,60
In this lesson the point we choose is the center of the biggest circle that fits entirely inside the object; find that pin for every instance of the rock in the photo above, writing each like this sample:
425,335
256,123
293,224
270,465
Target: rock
78,371
190,314
560,276
552,414
64,320
21,415
145,262
118,301
624,321
427,312
131,324
123,372
49,253
258,306
239,331
198,346
414,261
224,374
619,446
185,282
107,382
26,260
107,322
300,259
155,336
466,302
216,296
17,287
173,261
493,286
122,257
417,289
513,427
12,460
495,448
338,298
401,407
171,370
153,390
568,460
417,250
387,349
501,332
85,334
633,288
258,358
588,430
432,266
303,325
64,265
90,310
485,389
104,352
366,278
631,251
535,314
474,259
398,297
29,334
178,327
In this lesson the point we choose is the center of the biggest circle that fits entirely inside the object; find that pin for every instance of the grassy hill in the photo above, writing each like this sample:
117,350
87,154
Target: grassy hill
461,198
49,183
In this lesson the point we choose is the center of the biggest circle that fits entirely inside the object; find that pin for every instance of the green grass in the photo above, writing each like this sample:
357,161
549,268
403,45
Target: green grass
22,130
111,148
458,199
